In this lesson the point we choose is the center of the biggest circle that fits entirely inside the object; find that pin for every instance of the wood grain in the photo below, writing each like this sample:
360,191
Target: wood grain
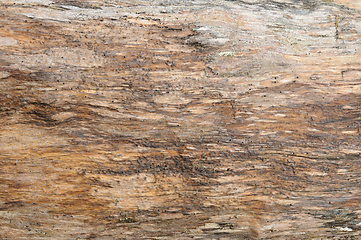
180,119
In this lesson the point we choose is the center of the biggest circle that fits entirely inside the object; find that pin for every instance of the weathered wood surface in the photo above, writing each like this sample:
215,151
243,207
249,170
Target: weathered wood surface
180,119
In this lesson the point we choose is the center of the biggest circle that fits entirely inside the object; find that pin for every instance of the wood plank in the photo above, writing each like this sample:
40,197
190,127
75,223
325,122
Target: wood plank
180,119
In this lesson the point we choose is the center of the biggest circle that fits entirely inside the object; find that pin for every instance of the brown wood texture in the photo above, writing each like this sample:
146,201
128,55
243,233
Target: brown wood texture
180,119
